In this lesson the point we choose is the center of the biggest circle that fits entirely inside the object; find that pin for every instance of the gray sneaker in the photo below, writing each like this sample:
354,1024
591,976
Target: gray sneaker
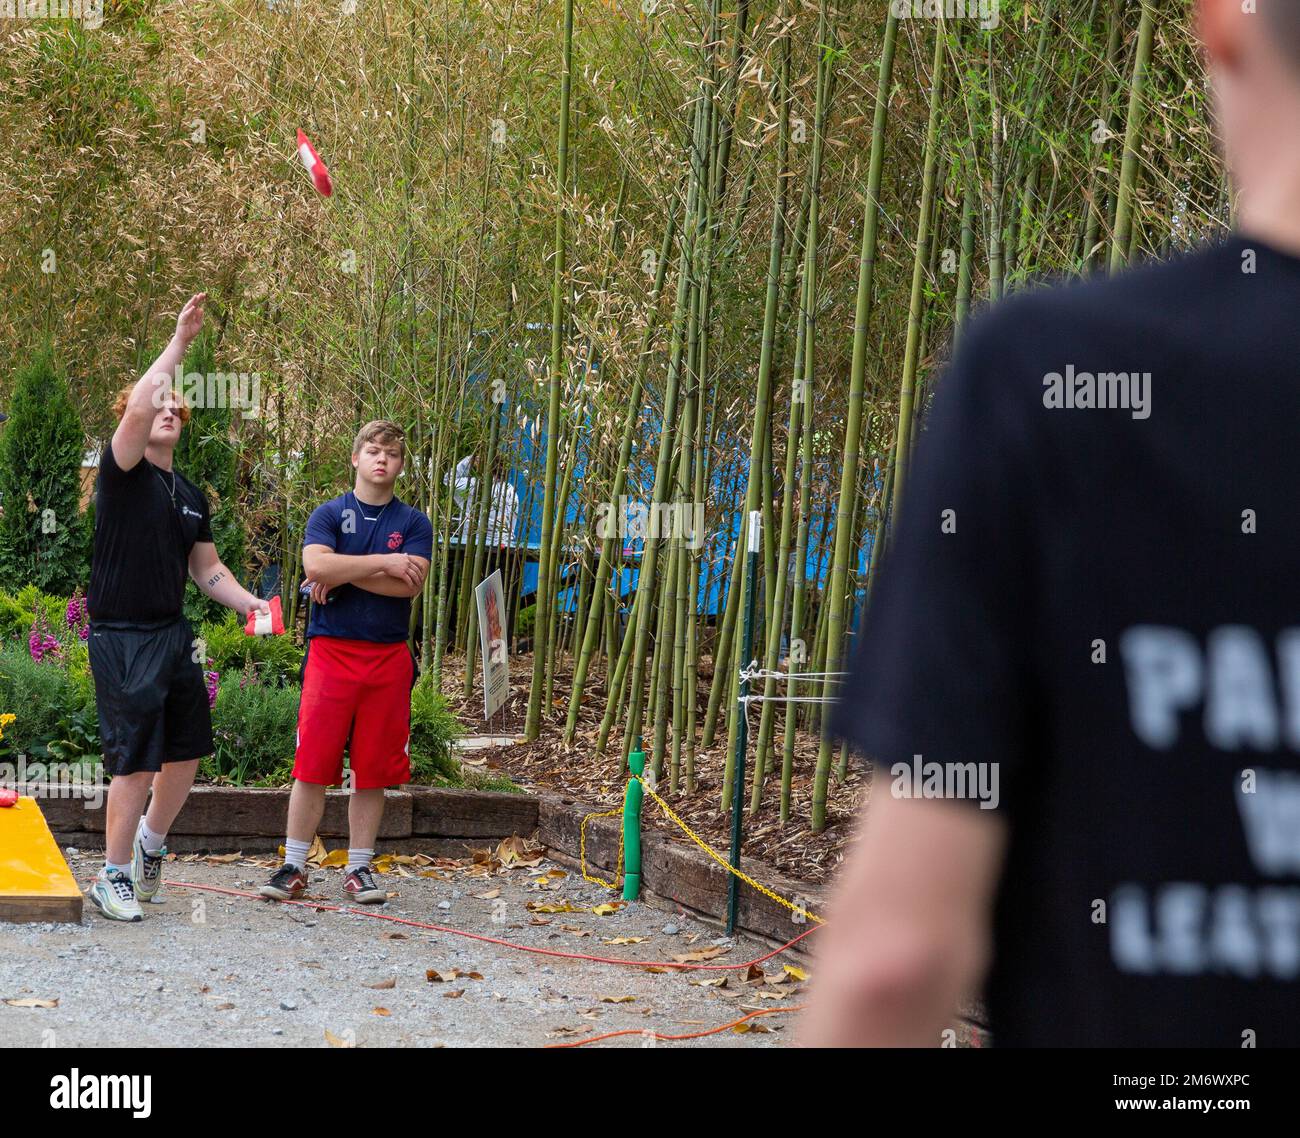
146,870
113,895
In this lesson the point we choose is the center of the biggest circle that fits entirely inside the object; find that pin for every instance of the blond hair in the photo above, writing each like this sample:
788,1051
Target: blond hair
182,408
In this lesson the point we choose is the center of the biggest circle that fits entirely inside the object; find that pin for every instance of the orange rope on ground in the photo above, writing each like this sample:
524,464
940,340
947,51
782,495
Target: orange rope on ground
692,1035
320,906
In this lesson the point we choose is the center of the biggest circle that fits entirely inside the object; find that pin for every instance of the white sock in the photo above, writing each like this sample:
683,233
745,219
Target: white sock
359,858
108,865
295,853
151,840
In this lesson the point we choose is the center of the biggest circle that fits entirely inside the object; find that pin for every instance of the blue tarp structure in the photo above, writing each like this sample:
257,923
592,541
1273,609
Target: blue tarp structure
525,420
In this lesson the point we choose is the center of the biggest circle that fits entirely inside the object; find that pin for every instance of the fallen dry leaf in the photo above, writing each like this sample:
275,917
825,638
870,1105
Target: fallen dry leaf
436,977
381,1011
384,985
700,954
337,1041
32,1002
515,853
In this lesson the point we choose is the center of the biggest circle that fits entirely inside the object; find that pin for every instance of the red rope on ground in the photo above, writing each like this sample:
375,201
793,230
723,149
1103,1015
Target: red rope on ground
320,906
693,1035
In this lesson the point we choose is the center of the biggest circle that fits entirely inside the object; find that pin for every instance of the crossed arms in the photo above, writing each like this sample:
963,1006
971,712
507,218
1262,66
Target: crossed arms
388,574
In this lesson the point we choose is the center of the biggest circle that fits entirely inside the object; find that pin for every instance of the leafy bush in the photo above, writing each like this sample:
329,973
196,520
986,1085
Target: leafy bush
14,619
482,780
31,601
255,727
41,694
276,659
76,737
433,731
41,537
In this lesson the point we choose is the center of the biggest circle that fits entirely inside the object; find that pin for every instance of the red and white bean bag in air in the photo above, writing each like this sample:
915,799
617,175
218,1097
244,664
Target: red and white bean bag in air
320,176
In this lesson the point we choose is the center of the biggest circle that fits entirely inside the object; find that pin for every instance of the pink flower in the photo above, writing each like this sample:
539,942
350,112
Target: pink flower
40,641
213,679
76,612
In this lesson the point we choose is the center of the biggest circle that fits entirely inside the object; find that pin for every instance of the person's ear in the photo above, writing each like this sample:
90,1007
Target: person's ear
1222,27
355,459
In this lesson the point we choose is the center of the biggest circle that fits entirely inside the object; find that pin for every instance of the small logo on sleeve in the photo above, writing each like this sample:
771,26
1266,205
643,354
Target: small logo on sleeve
395,540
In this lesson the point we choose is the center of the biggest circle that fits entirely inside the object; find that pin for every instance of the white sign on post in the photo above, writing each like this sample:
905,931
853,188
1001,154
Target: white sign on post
491,600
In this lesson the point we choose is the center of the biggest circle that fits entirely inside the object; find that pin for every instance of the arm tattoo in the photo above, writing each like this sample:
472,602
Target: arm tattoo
215,578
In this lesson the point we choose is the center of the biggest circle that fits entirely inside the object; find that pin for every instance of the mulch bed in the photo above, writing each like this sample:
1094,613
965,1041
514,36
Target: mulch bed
577,771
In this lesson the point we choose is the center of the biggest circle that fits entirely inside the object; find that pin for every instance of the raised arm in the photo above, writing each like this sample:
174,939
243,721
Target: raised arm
132,434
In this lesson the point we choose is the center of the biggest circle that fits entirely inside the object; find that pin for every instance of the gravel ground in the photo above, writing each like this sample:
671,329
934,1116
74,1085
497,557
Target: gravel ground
210,970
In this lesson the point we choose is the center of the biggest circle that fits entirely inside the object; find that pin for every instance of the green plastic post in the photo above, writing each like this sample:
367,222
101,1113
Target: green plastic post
632,826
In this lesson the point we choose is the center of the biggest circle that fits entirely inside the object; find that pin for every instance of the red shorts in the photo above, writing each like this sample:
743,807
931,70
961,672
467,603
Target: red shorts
361,689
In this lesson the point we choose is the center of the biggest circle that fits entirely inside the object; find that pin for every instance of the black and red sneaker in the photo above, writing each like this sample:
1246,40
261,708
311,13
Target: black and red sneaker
288,883
360,886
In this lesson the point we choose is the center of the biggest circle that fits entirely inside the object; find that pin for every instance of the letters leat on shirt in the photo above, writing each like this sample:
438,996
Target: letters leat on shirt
1191,927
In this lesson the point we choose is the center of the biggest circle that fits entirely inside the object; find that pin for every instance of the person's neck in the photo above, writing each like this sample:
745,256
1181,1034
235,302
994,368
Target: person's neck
1272,216
160,456
369,494
1268,180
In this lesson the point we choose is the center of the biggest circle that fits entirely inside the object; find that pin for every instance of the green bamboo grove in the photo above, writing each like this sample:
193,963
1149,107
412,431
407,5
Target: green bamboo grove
698,258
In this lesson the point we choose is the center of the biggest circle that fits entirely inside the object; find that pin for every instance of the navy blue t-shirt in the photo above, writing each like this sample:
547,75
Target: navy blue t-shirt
354,528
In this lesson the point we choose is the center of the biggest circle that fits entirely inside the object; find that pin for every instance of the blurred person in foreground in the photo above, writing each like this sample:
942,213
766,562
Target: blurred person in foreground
1079,675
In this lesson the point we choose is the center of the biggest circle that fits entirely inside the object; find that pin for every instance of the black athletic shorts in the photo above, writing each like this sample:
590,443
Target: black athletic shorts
150,694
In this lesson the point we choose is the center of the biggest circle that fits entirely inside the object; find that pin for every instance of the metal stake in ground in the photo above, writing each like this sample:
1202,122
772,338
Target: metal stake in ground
632,824
742,724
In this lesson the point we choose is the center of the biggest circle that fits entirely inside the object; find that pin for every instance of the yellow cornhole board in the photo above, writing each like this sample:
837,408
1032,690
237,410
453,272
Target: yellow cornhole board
35,882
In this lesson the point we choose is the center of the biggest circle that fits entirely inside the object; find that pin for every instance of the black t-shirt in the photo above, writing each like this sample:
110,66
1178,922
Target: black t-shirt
1102,607
142,541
